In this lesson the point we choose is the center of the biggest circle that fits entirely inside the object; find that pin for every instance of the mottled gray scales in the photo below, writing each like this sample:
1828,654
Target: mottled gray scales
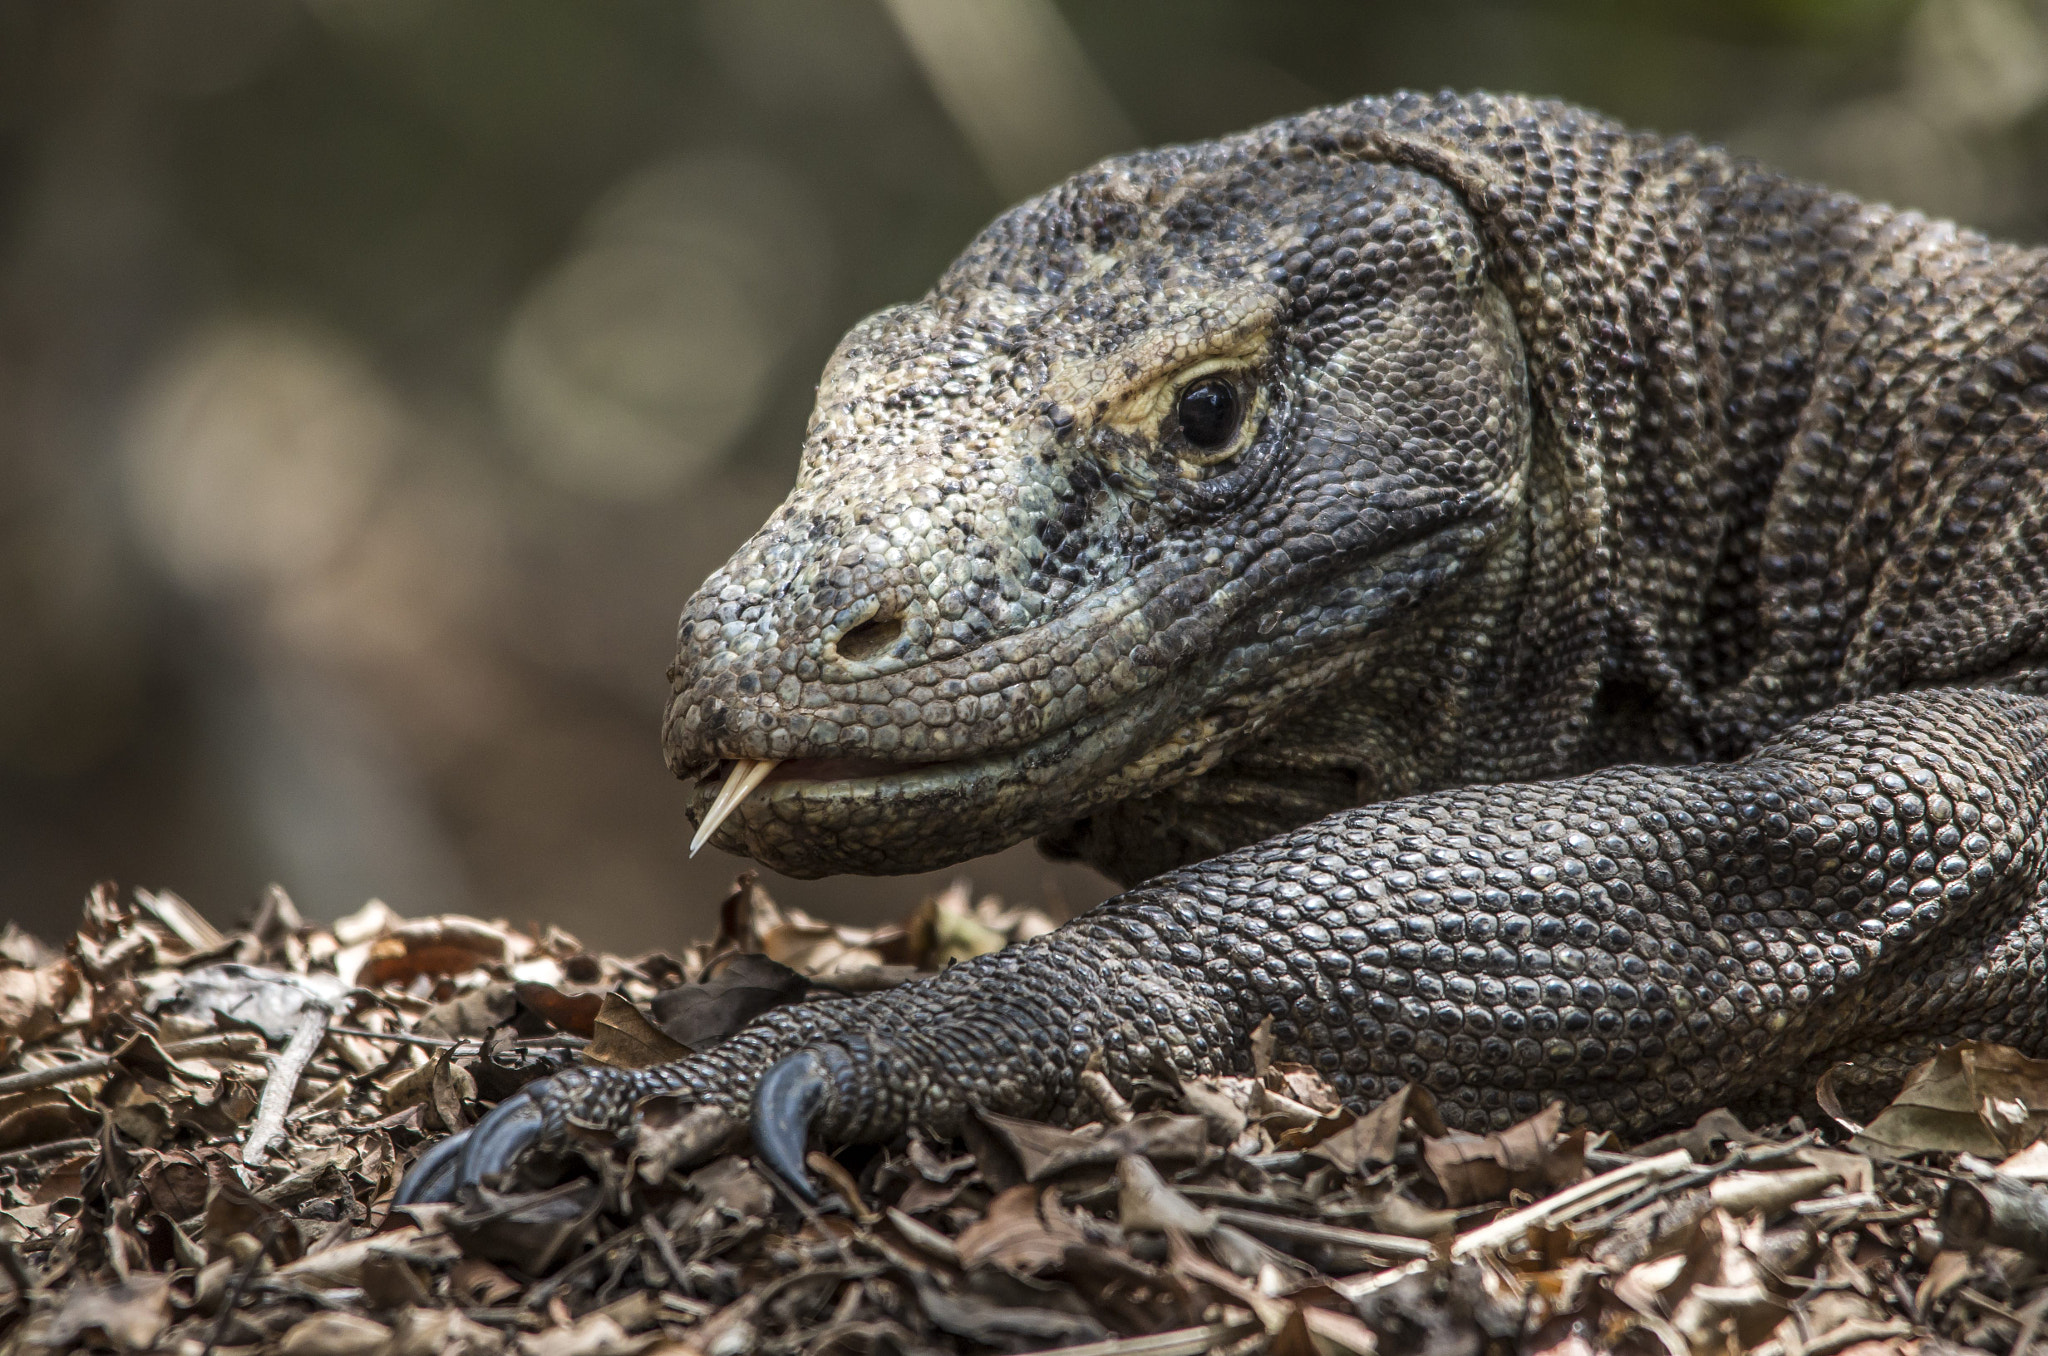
1601,655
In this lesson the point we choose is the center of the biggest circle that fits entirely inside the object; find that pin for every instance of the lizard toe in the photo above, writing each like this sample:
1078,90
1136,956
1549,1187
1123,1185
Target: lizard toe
787,1103
489,1147
433,1174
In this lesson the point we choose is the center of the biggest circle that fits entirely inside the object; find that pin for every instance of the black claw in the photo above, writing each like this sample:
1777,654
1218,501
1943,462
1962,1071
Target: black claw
786,1102
496,1142
432,1175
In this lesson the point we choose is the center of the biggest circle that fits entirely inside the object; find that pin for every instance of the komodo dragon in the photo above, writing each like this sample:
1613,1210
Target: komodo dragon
1545,611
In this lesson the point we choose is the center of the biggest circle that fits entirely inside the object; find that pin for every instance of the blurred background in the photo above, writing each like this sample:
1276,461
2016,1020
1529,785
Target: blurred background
378,377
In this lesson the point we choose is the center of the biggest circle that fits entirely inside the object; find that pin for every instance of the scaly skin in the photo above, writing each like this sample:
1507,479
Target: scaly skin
1571,450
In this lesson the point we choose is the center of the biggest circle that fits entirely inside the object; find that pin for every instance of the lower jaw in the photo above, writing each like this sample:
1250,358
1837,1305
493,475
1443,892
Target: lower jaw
820,816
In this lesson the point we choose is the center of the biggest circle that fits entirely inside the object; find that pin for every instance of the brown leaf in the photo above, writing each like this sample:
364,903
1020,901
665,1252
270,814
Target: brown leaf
1974,1097
739,988
1948,1270
1008,1327
675,1132
477,1282
32,1000
443,1332
1222,1102
448,945
2029,1164
43,1116
128,1316
727,1190
945,928
1046,1151
175,1182
597,1334
1012,1235
233,1211
625,1039
1530,1156
1373,1137
334,1334
754,922
1261,1043
470,1015
450,1087
572,1012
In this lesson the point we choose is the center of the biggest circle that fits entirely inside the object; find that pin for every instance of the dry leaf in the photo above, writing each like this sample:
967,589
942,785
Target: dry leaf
127,1316
1529,1156
739,988
1046,1151
625,1039
1974,1098
1373,1137
32,1001
334,1334
451,944
1012,1235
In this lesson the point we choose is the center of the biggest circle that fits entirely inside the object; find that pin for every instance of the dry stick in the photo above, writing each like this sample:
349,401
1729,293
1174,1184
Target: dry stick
1994,1209
233,1043
1315,1231
1179,1342
285,1072
563,1040
664,1245
1587,1195
1590,1194
53,1149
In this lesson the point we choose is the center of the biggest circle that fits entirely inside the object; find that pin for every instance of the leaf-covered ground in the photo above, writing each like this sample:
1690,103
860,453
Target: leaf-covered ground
200,1135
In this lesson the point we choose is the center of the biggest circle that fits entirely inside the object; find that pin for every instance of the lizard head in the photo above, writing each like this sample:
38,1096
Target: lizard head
1203,445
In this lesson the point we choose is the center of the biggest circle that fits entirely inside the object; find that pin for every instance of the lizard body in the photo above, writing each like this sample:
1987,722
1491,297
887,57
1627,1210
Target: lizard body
1546,610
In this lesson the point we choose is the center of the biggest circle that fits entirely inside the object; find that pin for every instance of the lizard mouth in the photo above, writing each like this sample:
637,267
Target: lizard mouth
811,816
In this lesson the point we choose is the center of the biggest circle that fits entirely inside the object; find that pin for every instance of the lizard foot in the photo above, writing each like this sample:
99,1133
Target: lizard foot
823,1088
489,1147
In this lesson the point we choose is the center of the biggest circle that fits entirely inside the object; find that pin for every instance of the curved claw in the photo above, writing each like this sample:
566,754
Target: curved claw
496,1142
432,1175
786,1104
490,1146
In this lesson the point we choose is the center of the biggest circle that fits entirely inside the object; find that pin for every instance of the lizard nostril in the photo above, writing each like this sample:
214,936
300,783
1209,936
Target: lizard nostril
869,639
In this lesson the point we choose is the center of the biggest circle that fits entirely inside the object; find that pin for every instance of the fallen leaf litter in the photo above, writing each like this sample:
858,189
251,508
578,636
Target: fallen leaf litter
200,1134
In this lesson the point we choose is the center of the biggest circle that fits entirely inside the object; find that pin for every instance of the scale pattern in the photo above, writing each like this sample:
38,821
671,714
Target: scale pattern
1609,664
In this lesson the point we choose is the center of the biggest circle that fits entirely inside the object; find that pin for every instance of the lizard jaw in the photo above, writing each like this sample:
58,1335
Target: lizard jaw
816,816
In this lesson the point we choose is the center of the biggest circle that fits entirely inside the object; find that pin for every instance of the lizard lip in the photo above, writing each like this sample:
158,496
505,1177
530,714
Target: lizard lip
836,769
813,815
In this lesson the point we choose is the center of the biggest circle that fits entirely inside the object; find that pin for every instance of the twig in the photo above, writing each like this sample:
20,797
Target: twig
666,1246
1116,1109
285,1072
539,1295
562,1040
1587,1195
1314,1231
1994,1209
232,1043
1179,1342
50,1150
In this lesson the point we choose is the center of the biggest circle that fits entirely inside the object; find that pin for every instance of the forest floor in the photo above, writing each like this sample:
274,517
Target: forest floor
201,1134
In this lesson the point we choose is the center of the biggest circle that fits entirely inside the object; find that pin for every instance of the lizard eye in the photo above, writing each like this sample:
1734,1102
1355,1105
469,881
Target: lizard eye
1209,413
